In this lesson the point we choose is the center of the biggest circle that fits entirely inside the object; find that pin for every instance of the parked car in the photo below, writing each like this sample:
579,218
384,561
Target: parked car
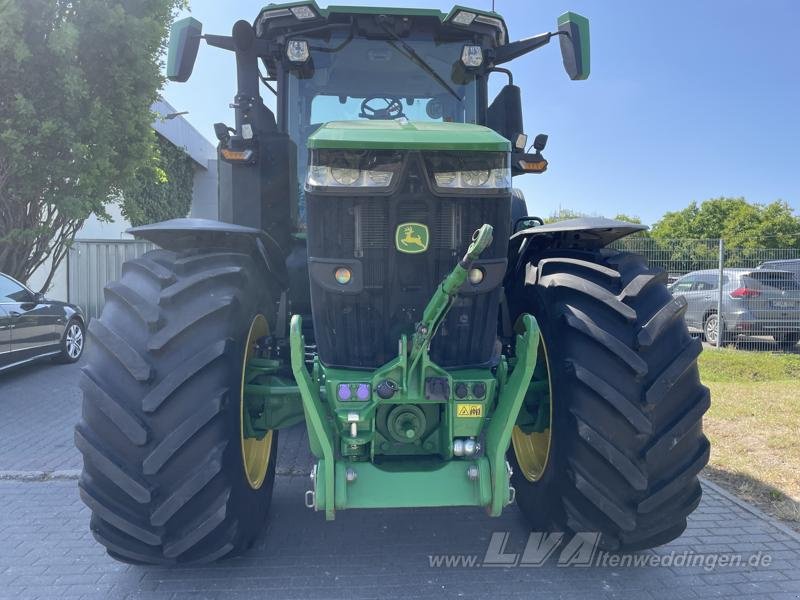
33,327
790,264
754,302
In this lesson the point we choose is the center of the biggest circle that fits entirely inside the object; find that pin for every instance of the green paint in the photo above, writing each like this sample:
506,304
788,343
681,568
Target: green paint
407,135
582,24
416,425
177,40
498,434
271,401
319,428
413,483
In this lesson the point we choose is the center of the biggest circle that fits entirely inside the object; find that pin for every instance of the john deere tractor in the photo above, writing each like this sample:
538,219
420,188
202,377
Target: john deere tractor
375,275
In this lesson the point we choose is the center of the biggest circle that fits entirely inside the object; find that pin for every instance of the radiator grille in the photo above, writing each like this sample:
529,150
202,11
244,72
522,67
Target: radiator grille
362,330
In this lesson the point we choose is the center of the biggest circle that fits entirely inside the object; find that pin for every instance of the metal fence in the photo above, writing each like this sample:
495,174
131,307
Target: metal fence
758,298
91,264
755,290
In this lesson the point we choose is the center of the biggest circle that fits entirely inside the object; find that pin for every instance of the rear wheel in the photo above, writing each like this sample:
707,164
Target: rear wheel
624,444
167,472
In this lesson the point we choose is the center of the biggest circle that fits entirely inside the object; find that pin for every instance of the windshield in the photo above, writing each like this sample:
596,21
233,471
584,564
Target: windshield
356,78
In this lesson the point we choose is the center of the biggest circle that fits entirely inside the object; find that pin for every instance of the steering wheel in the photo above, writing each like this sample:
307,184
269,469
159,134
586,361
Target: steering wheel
393,109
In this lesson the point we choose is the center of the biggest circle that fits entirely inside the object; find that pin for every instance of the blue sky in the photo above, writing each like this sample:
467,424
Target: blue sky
687,100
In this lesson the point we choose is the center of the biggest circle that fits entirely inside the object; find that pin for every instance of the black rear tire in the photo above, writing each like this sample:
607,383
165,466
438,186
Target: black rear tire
627,441
160,429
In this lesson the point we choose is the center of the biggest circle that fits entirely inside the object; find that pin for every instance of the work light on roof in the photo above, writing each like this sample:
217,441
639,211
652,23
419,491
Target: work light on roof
472,56
274,14
494,22
303,12
464,17
297,51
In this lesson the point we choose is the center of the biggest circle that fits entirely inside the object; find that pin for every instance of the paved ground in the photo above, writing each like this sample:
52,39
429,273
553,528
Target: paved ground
46,550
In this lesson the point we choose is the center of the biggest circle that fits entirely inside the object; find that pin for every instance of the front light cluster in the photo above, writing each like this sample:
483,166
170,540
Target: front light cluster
377,170
327,176
353,169
470,170
481,179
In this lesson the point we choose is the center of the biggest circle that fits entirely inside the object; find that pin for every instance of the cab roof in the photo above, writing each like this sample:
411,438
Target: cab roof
485,17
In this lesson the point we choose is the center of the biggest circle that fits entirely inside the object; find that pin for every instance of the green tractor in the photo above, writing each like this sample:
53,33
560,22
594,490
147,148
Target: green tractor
375,275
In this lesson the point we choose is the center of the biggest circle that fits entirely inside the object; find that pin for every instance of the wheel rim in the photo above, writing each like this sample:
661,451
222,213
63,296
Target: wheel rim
712,328
533,449
255,452
74,343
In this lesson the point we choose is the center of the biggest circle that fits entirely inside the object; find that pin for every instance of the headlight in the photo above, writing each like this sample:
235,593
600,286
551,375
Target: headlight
353,169
345,176
470,170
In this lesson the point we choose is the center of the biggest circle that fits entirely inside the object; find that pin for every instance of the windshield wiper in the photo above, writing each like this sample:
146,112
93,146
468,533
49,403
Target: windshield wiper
416,58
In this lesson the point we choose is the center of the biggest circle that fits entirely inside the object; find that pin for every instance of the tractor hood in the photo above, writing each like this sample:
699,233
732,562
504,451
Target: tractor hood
407,135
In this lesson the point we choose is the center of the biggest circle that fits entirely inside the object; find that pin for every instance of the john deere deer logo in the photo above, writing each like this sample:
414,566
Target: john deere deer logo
411,238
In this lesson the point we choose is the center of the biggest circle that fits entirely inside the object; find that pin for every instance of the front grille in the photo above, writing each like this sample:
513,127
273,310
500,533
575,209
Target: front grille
361,330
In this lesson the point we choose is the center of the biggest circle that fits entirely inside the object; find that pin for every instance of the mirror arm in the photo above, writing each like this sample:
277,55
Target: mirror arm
219,41
504,54
504,71
227,42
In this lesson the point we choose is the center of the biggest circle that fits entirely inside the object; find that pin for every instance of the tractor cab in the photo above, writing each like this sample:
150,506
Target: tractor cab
381,67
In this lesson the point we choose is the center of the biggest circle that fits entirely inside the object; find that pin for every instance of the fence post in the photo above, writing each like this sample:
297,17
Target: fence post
720,325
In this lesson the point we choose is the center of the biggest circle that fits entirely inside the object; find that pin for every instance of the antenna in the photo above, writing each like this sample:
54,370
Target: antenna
492,5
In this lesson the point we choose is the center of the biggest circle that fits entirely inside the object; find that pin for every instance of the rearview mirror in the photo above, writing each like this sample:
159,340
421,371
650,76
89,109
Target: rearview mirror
574,38
184,41
504,114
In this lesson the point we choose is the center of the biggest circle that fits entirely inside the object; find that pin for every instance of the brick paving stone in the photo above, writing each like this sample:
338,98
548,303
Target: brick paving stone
46,550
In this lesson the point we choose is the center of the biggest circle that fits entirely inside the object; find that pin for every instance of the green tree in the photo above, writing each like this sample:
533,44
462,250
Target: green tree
738,222
77,79
162,189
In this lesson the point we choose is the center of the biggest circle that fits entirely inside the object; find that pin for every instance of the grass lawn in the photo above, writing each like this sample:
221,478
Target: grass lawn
754,426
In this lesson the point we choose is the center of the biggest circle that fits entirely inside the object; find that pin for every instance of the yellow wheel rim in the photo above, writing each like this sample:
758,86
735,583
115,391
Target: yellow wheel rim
533,449
255,452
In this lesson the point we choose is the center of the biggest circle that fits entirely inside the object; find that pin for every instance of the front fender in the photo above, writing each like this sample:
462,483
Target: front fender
589,233
182,234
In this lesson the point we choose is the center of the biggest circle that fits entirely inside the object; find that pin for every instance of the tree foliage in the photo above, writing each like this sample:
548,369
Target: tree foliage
739,223
77,79
162,189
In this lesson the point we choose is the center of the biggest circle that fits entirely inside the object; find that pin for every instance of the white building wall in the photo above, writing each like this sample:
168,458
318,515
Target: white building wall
205,203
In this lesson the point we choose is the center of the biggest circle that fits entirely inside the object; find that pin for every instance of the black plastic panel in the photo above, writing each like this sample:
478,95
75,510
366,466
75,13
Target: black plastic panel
362,330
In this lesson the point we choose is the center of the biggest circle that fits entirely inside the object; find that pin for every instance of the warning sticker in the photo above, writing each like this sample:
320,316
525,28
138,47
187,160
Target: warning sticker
469,410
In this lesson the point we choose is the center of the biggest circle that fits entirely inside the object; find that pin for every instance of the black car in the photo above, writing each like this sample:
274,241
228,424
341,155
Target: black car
34,327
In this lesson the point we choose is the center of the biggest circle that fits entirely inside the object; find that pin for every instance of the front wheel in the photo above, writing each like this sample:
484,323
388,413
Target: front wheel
610,438
72,343
167,471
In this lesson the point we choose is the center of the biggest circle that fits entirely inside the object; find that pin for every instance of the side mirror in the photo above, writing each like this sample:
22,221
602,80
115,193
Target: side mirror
184,41
38,297
574,38
505,113
527,223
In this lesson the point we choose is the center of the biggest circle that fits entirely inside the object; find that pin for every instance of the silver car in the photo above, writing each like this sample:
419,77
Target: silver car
754,302
789,264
